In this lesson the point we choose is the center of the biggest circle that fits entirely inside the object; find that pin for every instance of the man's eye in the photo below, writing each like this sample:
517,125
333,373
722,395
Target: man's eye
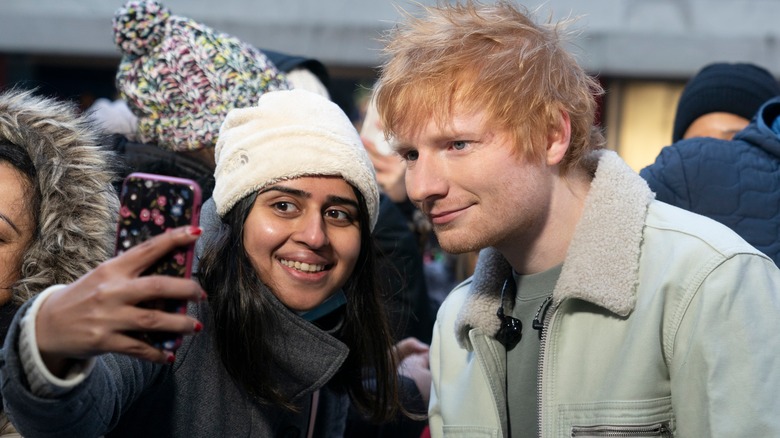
459,145
411,155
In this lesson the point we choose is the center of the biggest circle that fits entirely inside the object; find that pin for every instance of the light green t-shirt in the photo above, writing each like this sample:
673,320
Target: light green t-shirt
523,360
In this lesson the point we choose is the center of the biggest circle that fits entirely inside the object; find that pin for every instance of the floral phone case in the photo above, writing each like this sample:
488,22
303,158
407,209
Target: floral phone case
150,205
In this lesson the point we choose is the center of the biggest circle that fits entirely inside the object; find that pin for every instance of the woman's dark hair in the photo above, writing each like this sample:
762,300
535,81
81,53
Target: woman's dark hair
242,315
17,157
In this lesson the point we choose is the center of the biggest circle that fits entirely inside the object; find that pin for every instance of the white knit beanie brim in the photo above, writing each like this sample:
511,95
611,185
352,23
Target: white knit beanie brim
290,134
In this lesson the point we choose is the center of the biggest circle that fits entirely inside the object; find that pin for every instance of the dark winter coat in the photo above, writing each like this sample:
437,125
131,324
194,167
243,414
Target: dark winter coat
194,397
736,183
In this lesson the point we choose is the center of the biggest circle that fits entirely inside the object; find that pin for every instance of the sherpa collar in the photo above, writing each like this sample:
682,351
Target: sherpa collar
602,263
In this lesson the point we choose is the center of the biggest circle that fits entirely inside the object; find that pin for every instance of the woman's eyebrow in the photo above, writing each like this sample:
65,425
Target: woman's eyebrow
288,190
332,199
342,201
11,223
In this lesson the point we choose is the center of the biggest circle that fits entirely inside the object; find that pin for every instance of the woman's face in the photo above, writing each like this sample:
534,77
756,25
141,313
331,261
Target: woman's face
16,225
303,238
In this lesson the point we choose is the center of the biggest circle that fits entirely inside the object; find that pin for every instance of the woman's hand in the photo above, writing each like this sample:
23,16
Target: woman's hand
94,314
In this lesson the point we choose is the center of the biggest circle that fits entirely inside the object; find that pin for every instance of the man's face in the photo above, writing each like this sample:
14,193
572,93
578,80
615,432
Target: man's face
477,191
716,125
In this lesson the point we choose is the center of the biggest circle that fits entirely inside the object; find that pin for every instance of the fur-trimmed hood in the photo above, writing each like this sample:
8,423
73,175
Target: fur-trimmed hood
77,216
602,263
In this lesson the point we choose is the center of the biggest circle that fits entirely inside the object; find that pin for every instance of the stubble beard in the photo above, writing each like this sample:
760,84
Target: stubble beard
500,231
461,239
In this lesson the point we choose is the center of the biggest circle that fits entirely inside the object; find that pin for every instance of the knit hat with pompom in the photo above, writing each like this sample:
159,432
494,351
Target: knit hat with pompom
180,78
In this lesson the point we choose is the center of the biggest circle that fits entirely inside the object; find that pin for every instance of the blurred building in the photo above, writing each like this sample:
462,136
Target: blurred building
643,51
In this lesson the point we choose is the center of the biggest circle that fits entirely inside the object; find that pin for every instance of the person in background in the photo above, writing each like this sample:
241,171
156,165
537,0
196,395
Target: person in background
302,72
292,326
735,182
180,78
720,100
57,206
594,309
113,117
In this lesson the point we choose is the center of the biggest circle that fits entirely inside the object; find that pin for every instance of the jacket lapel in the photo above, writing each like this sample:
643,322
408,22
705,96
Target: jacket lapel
306,357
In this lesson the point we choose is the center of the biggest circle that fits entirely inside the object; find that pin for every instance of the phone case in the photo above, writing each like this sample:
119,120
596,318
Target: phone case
150,205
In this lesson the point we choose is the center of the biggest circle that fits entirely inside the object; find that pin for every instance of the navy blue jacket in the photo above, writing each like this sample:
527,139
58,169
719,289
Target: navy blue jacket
736,183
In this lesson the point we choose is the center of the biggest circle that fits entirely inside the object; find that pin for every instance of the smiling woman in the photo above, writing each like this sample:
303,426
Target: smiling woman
302,226
303,238
293,326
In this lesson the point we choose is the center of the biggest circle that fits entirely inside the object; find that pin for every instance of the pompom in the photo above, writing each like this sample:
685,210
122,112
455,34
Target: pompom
139,26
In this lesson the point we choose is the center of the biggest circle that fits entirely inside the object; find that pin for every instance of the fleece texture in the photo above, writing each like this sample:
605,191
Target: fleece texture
290,134
76,221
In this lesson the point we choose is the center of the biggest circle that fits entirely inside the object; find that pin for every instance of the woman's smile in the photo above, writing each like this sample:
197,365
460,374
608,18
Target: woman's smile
303,237
302,266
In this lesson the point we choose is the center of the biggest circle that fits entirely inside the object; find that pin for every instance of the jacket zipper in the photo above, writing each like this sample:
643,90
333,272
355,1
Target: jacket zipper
660,429
653,430
542,348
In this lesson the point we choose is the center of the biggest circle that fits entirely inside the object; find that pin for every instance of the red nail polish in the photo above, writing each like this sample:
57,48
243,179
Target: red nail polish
195,231
171,358
198,327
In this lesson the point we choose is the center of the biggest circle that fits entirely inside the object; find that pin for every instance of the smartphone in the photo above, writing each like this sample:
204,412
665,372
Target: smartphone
150,205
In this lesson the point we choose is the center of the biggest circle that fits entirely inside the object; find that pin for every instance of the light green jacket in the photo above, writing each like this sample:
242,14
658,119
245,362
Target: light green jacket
662,321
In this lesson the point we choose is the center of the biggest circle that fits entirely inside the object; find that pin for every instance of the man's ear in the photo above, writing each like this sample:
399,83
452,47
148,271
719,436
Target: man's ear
558,140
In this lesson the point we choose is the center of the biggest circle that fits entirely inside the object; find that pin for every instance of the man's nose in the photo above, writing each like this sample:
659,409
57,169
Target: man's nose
426,179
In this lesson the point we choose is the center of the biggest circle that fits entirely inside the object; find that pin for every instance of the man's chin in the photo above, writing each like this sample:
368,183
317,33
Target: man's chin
456,241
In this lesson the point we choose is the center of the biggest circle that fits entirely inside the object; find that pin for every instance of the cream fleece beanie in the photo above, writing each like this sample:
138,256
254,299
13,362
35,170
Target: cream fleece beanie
289,134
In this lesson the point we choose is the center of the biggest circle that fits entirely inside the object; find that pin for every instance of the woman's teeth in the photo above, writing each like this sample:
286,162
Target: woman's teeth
305,267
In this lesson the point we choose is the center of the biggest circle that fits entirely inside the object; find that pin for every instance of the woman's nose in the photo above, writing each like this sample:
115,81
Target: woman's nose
311,231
